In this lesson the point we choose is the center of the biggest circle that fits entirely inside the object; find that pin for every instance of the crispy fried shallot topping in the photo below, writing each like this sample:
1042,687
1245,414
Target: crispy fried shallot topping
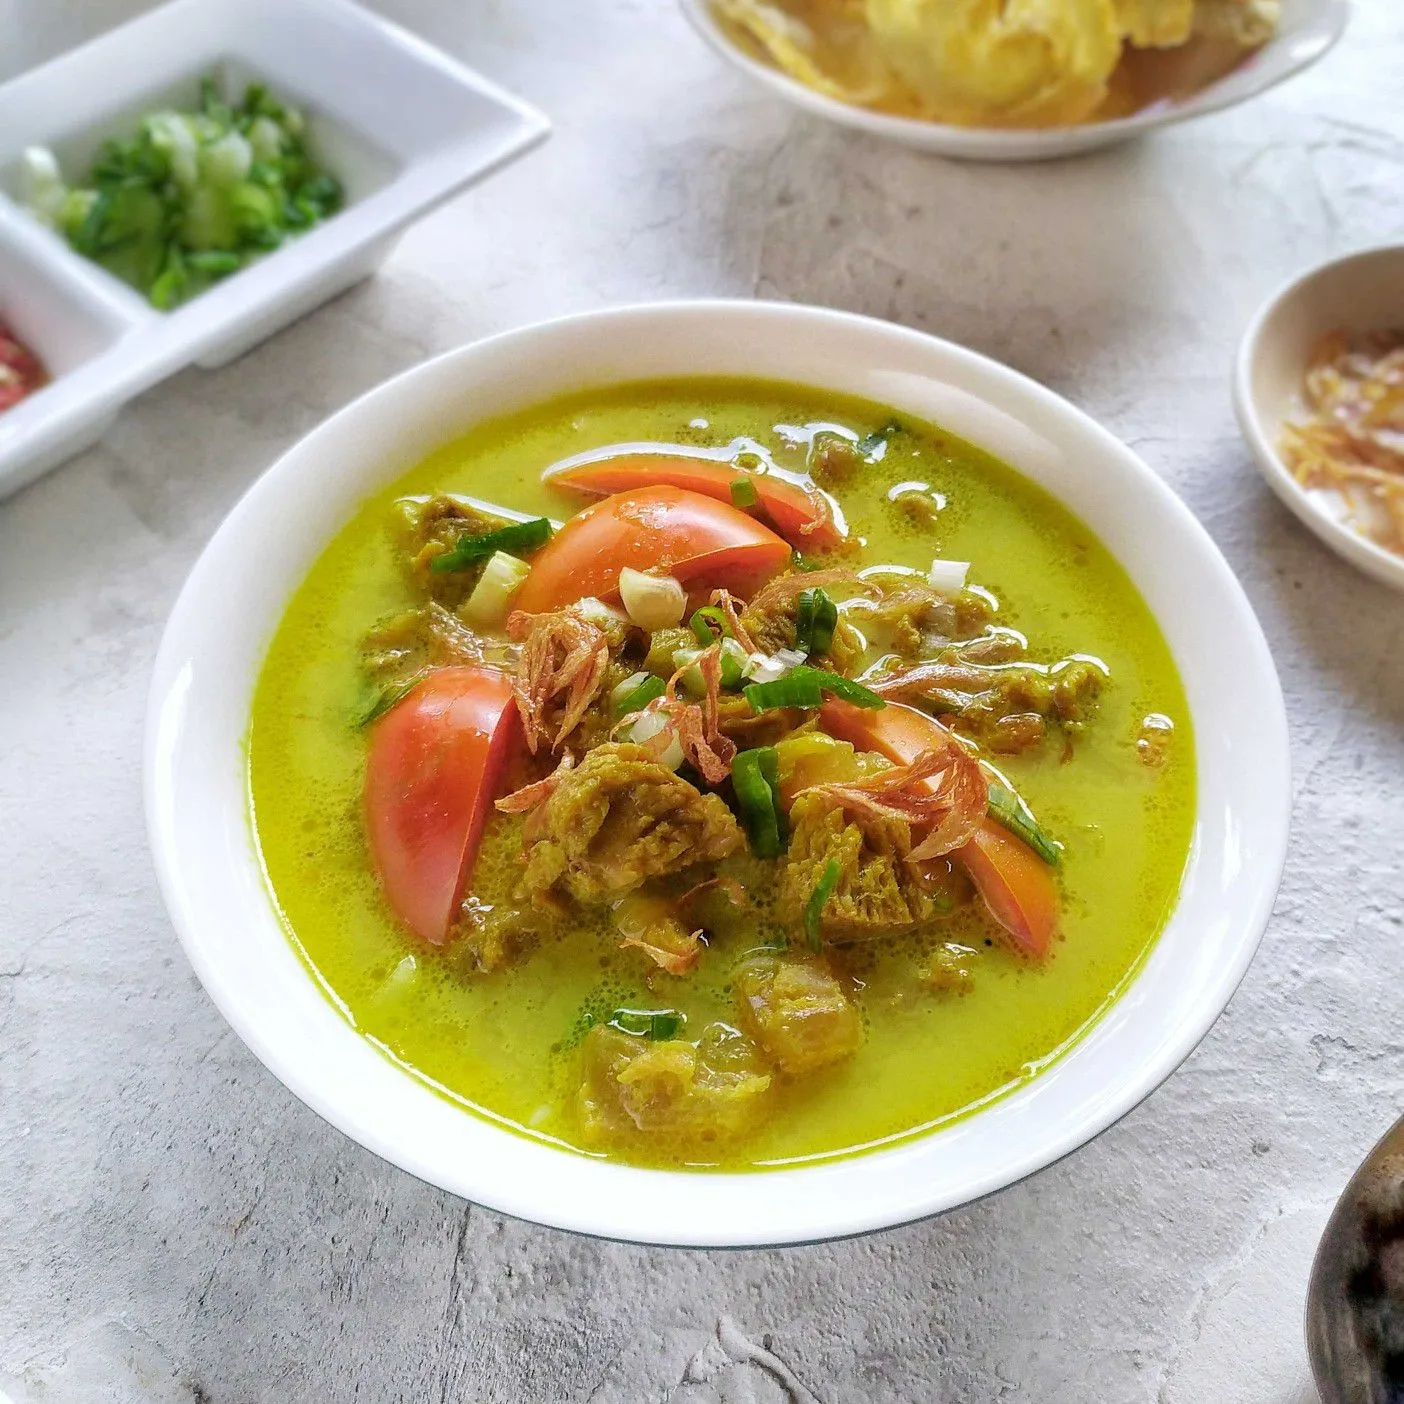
563,667
923,679
941,796
1351,442
538,792
728,887
727,602
782,592
669,947
531,799
696,724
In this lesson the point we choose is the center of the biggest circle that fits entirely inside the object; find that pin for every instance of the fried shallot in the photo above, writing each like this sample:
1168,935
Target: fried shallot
726,602
563,667
941,796
695,725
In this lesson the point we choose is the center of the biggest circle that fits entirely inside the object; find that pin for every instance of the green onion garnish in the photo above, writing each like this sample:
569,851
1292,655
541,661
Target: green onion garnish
385,699
755,776
875,444
639,697
215,261
818,899
708,624
658,1024
183,199
733,662
816,618
1009,811
807,687
743,493
514,538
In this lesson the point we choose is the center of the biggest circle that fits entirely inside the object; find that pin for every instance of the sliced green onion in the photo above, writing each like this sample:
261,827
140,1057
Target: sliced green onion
657,1024
734,659
1010,812
818,900
743,493
502,577
385,699
187,198
807,687
733,662
215,261
816,618
652,601
874,445
755,776
635,693
708,624
692,680
514,538
652,724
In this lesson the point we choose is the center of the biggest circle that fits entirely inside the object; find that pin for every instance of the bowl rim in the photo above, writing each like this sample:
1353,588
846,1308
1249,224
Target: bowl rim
642,1208
1365,555
1009,143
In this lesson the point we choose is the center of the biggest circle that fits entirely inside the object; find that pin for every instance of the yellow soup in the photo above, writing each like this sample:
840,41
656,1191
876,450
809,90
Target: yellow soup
944,1013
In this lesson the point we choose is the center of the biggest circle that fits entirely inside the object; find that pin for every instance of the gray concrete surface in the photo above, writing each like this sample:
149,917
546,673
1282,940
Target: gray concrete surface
174,1226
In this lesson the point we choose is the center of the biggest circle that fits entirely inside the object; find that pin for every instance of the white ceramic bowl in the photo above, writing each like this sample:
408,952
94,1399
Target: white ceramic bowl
1364,292
1308,30
197,803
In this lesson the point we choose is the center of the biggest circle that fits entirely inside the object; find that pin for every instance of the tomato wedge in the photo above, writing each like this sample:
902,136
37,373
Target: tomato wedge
1016,884
436,758
695,538
1013,880
803,516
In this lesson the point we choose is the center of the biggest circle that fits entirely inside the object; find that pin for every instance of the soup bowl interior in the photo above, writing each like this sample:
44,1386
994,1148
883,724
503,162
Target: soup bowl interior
1306,33
210,872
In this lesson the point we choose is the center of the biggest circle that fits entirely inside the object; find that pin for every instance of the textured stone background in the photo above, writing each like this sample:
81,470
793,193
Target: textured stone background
174,1226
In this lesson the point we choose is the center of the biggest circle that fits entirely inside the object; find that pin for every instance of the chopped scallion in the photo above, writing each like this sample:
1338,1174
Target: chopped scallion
657,1024
1010,812
645,687
874,445
384,700
807,687
818,900
743,493
708,624
513,539
755,776
502,577
733,664
816,618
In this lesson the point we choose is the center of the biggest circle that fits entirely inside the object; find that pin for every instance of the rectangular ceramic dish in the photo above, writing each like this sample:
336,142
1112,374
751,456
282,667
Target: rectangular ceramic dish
403,126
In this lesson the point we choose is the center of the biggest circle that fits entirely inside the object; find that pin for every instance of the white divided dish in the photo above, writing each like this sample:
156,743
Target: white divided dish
1307,32
213,882
401,125
1361,293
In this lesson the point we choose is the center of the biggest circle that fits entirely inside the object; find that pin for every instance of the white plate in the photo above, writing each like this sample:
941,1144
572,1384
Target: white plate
1362,293
402,125
197,804
1308,30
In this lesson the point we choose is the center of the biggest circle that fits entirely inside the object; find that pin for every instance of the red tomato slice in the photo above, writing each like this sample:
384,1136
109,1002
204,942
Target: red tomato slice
1013,880
693,537
435,761
1016,884
803,516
